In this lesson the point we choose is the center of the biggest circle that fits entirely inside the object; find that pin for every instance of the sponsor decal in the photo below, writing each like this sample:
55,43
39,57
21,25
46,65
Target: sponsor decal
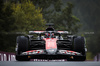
32,52
69,52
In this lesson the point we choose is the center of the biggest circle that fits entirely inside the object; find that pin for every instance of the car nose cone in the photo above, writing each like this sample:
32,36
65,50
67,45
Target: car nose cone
51,51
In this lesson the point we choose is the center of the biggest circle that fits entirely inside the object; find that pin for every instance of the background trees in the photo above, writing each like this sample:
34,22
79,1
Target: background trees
61,15
27,16
18,18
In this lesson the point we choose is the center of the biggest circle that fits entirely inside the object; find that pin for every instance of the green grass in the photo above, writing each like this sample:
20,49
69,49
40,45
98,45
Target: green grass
89,56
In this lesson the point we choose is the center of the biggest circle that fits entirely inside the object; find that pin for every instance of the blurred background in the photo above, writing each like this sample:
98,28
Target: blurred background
80,17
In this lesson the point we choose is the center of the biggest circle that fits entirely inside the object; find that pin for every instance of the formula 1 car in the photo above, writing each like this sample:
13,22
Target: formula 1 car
50,44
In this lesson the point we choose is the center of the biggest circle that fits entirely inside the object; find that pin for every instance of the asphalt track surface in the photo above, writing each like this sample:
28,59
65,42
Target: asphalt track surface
51,63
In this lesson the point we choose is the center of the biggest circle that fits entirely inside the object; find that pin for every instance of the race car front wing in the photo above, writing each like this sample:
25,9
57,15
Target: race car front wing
42,54
39,52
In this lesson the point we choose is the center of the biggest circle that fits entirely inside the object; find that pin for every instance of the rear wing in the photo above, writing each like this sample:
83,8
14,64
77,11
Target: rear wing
36,32
42,32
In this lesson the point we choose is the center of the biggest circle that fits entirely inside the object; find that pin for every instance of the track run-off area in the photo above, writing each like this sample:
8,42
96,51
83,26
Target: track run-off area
46,63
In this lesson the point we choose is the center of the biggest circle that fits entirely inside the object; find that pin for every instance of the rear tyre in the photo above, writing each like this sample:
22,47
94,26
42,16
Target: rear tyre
79,46
22,46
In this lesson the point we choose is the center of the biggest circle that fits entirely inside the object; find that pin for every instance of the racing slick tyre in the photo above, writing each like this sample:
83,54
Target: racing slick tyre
22,46
79,46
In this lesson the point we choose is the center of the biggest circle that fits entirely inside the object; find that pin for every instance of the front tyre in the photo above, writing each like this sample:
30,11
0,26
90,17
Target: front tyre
22,46
79,46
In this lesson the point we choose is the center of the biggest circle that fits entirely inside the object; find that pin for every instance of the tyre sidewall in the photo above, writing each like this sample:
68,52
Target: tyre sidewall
22,43
79,44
